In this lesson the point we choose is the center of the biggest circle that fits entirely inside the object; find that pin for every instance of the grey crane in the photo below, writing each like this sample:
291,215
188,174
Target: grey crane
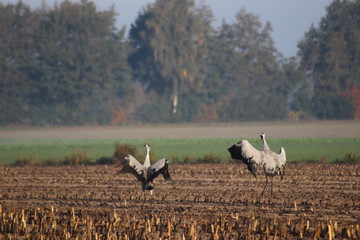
271,162
280,158
147,172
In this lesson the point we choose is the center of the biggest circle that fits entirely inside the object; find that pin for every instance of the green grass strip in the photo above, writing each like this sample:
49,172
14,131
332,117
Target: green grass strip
298,150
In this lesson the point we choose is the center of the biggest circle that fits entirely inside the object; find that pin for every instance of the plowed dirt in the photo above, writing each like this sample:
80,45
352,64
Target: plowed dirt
310,197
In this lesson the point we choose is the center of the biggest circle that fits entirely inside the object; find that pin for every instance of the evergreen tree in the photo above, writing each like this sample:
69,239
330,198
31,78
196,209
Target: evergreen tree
78,58
330,54
65,65
246,62
17,24
300,96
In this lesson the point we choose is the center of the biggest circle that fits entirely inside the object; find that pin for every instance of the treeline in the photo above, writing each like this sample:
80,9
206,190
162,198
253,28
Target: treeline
70,65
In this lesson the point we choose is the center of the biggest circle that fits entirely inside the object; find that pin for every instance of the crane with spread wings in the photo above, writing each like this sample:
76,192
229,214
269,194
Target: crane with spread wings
147,172
271,162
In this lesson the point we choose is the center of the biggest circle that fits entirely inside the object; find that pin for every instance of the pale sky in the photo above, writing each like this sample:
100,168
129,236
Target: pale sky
290,19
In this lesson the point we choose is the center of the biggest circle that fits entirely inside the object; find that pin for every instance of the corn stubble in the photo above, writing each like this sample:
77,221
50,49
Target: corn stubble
43,223
203,202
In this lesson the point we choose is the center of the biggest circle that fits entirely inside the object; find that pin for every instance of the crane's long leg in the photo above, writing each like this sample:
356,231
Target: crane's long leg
152,196
144,200
271,186
264,187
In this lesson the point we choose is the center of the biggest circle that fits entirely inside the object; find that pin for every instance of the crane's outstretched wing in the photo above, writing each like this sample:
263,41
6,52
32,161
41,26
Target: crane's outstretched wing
282,162
245,152
160,167
130,165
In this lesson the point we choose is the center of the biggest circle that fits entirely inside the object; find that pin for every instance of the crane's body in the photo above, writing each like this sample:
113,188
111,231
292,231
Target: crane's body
145,173
271,162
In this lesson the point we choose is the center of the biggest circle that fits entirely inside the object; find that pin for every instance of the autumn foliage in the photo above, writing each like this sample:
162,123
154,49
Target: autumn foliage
354,94
119,116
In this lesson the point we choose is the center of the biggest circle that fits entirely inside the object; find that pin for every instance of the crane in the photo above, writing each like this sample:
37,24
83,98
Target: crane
280,159
147,172
271,162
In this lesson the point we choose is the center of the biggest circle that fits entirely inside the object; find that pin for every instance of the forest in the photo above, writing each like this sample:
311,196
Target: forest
70,65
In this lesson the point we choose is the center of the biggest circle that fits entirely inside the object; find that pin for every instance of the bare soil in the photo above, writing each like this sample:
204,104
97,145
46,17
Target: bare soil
310,200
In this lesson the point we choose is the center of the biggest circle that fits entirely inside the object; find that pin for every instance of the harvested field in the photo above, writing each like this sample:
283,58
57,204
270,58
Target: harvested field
312,129
314,201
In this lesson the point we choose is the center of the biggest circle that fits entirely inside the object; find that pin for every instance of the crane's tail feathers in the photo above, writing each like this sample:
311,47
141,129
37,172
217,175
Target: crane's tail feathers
167,178
252,168
282,172
121,171
149,186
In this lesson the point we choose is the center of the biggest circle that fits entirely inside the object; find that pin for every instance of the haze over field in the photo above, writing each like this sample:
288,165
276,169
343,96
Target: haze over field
317,129
75,67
